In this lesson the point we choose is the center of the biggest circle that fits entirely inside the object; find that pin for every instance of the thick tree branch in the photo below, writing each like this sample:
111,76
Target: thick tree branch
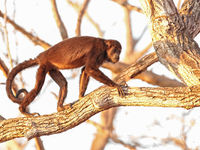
172,41
101,99
147,76
190,13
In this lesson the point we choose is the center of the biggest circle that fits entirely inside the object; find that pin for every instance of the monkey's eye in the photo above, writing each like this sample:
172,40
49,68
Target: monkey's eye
115,50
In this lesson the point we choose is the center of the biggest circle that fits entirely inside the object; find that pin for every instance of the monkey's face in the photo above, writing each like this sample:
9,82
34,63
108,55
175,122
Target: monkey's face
113,54
113,50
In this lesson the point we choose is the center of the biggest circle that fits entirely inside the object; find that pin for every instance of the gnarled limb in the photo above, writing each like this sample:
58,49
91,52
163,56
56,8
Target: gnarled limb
172,40
99,100
190,13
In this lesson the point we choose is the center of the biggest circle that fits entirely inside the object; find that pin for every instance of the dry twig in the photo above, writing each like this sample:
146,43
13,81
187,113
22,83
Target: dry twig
59,22
81,13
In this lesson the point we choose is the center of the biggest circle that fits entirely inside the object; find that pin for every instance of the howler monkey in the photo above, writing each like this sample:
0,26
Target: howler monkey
86,51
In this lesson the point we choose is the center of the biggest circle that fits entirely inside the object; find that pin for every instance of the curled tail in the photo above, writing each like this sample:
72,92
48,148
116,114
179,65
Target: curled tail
11,76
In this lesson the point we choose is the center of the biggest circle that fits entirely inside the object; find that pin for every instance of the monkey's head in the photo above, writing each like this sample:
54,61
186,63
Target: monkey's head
113,50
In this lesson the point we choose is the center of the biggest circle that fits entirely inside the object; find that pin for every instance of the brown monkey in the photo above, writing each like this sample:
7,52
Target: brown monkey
86,51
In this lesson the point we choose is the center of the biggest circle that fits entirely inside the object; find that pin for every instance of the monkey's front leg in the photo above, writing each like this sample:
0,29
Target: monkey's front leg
100,76
84,79
120,89
61,81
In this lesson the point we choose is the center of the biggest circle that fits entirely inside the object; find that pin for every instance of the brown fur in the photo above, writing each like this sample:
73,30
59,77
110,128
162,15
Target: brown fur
71,53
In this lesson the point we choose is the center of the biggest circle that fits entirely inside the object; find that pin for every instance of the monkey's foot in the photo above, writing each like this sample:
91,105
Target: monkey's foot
30,114
68,106
60,108
27,114
81,96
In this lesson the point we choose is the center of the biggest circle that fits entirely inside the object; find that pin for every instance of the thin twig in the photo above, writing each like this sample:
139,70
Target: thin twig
59,22
6,35
129,6
39,144
4,68
82,11
76,6
111,135
130,41
36,40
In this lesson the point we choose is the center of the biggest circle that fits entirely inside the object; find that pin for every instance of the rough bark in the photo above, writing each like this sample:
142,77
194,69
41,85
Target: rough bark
172,39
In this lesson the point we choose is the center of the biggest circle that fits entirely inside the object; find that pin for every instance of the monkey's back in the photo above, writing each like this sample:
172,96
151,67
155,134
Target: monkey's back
71,53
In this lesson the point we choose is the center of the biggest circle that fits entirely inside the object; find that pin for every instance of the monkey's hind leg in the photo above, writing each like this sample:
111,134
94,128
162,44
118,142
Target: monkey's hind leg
29,97
61,81
84,79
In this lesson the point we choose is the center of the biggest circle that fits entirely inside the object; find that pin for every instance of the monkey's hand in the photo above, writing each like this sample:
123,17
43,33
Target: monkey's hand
60,108
120,89
26,113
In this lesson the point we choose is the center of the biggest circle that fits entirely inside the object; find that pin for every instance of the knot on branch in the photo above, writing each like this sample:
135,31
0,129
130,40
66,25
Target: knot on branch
33,132
107,97
102,98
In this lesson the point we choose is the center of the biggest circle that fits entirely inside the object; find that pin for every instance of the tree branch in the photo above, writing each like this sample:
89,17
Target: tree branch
58,20
6,36
102,99
190,13
172,41
4,68
81,13
36,40
129,6
77,7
